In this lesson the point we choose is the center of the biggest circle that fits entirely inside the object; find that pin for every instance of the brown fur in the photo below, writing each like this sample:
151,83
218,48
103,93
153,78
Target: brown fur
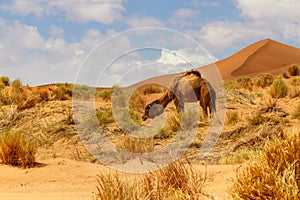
189,87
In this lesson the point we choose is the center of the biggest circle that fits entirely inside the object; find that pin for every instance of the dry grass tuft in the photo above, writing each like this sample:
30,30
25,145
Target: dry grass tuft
294,70
232,117
245,82
16,149
296,113
177,181
150,89
263,80
137,145
237,157
274,174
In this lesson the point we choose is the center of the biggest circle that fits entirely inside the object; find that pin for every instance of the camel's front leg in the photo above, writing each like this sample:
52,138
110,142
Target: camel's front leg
179,104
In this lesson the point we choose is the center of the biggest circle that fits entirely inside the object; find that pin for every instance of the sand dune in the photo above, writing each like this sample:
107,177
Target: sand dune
265,56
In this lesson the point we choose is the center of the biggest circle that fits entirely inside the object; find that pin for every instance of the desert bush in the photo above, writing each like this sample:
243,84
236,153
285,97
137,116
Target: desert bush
172,125
17,83
285,75
279,88
294,70
296,113
295,81
4,80
263,80
137,145
232,117
83,92
16,149
105,94
176,181
105,116
245,82
150,89
66,88
273,174
294,92
14,96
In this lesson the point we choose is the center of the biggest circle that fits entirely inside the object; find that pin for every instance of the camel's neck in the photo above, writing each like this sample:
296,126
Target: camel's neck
165,99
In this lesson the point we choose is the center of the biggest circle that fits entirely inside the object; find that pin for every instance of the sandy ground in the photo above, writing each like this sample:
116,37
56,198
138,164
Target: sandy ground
69,179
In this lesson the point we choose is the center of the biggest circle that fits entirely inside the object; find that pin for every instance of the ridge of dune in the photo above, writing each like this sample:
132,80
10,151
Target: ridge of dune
265,56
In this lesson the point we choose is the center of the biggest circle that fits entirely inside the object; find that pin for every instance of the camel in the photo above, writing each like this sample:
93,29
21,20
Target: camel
189,87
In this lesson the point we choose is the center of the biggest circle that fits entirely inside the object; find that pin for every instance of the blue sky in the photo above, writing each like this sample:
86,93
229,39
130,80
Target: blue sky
47,41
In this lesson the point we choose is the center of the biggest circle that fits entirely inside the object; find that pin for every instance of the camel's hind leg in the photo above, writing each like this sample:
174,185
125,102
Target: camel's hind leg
179,104
204,108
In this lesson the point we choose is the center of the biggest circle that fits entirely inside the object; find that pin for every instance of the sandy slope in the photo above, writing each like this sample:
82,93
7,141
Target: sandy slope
265,56
68,179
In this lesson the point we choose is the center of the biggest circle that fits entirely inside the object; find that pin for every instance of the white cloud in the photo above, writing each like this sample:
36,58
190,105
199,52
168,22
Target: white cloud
184,13
197,56
276,19
26,54
270,9
137,21
104,11
25,7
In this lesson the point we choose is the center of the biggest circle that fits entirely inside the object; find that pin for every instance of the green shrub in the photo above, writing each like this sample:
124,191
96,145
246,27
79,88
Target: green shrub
16,83
279,88
294,70
237,157
16,149
4,80
105,116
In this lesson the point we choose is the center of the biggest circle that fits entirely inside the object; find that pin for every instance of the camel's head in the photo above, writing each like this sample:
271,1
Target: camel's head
152,110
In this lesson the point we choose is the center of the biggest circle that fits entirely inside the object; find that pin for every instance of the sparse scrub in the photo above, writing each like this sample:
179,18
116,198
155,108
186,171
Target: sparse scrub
294,70
150,89
83,92
105,94
17,83
296,113
66,88
279,89
285,75
4,80
13,96
137,145
263,80
177,181
172,125
294,92
295,81
105,116
237,157
16,149
274,174
245,82
232,117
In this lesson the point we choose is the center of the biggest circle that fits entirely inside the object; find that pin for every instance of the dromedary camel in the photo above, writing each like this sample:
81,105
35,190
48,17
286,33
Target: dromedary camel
189,87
